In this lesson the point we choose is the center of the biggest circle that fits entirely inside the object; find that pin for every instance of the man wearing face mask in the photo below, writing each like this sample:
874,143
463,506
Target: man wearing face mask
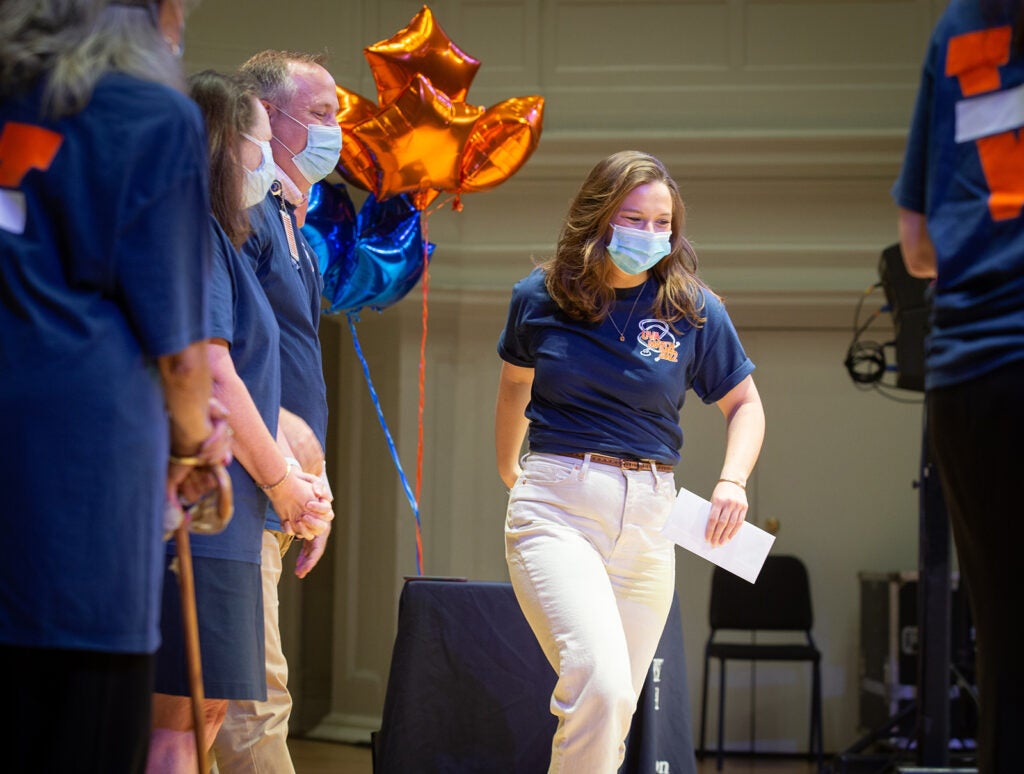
301,101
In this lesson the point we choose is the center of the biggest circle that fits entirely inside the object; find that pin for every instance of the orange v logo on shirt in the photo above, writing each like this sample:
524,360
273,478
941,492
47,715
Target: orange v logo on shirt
22,147
988,117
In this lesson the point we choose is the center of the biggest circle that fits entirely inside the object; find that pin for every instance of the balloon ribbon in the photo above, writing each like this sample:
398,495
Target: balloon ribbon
353,318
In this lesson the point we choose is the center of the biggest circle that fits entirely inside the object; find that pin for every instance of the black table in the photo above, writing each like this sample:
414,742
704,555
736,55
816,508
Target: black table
469,690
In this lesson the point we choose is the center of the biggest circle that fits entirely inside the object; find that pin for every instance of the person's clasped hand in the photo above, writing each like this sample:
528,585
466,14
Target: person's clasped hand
317,518
301,504
313,550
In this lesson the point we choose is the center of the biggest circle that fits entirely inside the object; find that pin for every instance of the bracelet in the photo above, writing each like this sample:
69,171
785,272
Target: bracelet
272,487
733,481
188,461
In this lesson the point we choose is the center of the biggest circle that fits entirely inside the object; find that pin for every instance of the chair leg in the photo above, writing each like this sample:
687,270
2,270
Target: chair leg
703,708
813,733
721,712
817,731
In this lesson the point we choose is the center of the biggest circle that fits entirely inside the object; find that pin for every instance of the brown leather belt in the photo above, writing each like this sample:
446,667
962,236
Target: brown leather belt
618,462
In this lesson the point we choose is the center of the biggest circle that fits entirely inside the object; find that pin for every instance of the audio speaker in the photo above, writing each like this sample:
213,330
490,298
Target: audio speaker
910,306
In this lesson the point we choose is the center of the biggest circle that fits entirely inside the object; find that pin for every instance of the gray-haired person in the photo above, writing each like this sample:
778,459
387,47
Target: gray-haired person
103,366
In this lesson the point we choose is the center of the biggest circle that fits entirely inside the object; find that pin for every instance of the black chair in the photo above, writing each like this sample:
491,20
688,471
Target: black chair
780,601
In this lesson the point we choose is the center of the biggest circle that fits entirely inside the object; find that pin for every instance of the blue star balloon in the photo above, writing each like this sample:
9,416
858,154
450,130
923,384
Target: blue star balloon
330,226
367,260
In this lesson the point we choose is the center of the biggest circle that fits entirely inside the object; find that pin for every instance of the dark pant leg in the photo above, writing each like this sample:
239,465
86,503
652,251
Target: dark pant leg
977,432
77,712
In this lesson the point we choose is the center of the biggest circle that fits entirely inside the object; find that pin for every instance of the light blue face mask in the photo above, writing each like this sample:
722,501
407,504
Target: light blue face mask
258,181
322,152
635,251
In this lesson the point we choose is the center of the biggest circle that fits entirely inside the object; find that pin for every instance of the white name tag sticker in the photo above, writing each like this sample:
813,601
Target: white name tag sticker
12,211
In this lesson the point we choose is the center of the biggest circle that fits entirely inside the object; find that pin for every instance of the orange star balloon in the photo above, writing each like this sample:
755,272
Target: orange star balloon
422,137
425,131
357,165
421,48
501,140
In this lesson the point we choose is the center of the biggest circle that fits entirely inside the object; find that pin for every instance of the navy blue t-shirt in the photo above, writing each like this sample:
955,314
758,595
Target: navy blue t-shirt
595,393
104,253
293,288
963,171
241,315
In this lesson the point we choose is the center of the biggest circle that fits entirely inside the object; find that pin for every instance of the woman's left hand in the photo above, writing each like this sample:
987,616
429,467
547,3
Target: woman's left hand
728,512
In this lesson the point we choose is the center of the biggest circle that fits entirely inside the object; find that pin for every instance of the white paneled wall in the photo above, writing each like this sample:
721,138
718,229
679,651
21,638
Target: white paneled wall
783,121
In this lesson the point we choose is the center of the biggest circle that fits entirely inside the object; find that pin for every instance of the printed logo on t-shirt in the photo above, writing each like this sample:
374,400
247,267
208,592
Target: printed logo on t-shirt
22,147
658,340
990,117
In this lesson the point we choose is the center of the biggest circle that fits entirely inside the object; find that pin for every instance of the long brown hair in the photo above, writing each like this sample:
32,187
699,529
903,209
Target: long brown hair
227,104
577,275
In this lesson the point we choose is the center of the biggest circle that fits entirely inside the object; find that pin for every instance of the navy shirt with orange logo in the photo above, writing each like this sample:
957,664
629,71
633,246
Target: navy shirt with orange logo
104,251
964,170
593,392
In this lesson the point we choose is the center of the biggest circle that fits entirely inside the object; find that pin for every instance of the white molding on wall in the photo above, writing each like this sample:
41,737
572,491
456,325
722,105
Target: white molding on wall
789,226
731,154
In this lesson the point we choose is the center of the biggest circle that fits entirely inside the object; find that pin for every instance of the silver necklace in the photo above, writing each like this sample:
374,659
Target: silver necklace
622,331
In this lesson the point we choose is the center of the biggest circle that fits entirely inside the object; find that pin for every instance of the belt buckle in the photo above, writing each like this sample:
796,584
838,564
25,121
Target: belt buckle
631,464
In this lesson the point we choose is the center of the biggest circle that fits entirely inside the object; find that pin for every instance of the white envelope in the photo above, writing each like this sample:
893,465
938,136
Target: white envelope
743,555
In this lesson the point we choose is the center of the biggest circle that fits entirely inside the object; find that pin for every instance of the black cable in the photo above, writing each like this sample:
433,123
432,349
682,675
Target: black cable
865,361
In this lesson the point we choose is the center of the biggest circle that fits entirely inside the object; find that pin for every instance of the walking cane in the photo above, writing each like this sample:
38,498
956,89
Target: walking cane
186,584
208,516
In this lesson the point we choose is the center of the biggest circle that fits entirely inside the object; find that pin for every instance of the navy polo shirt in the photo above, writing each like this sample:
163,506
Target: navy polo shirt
293,287
594,393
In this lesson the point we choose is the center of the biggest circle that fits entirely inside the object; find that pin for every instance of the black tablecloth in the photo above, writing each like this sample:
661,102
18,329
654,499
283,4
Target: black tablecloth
469,690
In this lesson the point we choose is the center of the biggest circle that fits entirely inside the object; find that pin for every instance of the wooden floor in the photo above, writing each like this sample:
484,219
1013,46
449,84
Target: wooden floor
332,758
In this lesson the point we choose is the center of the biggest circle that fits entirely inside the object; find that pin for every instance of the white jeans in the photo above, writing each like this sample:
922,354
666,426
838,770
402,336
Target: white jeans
594,578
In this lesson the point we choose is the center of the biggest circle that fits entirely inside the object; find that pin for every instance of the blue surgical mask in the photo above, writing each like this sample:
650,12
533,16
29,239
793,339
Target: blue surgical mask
635,251
322,152
258,181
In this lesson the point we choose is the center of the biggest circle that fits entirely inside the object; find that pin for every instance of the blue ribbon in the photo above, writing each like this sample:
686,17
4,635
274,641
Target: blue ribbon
353,318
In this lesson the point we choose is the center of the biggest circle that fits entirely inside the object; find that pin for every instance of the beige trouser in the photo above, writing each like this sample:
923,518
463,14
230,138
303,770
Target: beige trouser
594,577
254,737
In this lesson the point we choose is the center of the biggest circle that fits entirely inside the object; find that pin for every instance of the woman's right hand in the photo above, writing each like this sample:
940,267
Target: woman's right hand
509,477
302,512
510,422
